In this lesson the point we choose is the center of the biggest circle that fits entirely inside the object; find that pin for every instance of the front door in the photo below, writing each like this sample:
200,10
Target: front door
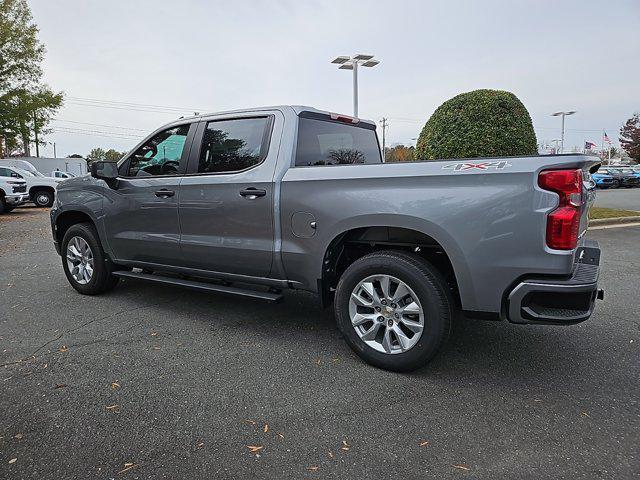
141,213
226,200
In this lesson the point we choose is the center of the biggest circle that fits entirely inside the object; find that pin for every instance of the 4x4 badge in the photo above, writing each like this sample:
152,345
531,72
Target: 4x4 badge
456,167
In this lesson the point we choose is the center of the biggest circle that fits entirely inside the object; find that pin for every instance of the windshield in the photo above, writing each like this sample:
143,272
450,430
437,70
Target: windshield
24,173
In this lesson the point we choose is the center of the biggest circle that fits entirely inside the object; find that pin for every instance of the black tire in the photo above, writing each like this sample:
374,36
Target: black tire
615,184
101,280
43,198
8,209
3,205
431,290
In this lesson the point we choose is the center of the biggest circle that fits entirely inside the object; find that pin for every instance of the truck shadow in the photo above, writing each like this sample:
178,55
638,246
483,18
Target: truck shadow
477,351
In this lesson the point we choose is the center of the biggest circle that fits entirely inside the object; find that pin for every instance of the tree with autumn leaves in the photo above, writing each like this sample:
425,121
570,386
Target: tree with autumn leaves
630,137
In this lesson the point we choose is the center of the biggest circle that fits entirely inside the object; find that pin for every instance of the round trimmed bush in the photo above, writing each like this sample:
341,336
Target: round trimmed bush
481,123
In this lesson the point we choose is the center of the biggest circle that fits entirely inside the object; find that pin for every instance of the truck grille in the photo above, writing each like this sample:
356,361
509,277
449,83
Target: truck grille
19,188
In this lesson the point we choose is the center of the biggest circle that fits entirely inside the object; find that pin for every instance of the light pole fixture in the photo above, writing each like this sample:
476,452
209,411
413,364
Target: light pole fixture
562,114
351,63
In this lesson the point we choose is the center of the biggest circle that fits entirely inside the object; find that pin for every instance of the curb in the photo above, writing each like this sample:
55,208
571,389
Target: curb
614,221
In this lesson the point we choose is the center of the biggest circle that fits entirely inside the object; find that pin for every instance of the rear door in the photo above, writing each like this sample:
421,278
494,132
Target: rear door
141,213
226,200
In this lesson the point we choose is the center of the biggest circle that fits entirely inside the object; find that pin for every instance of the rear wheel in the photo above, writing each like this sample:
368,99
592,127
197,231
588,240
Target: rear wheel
615,184
3,205
394,310
84,262
43,198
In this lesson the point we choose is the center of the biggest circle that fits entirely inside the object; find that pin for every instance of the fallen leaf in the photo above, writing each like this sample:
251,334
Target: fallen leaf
346,449
153,334
281,435
155,348
113,407
128,466
313,468
266,428
461,467
13,460
59,385
318,362
115,385
18,436
424,444
64,348
585,414
254,448
45,365
200,445
330,454
251,422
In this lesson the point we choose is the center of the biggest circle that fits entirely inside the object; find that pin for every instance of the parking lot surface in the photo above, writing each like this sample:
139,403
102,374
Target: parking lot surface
621,198
150,381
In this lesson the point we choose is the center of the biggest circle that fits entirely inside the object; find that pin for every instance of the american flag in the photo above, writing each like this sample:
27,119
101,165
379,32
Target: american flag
605,137
589,145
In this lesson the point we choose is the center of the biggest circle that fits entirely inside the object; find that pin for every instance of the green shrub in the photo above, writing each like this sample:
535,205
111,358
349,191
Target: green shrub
482,123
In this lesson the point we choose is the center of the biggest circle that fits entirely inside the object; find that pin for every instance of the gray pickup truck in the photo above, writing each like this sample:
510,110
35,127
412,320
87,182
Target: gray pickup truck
255,201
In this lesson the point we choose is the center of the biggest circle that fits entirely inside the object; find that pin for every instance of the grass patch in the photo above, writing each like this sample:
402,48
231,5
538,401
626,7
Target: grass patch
598,212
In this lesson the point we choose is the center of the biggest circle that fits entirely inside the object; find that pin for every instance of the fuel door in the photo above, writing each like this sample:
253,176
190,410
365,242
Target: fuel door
303,224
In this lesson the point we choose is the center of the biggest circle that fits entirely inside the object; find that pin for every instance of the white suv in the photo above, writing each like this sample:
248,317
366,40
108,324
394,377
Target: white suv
13,192
41,189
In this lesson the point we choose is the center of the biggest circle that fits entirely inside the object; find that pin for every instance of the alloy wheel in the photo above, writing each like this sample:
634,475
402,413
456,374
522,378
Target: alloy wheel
80,260
386,314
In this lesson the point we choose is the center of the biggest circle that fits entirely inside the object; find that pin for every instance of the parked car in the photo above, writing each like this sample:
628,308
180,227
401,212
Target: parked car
41,189
251,202
61,175
12,193
624,176
604,180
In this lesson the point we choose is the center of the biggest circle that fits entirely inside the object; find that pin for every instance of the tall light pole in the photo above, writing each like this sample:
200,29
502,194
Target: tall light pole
351,63
563,114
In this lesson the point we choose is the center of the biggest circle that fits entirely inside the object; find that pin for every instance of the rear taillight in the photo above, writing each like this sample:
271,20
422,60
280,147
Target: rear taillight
563,223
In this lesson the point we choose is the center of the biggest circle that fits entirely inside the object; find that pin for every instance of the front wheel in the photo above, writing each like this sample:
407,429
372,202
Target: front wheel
44,198
394,310
84,262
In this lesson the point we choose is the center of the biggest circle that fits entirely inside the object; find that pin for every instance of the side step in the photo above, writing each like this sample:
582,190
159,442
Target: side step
203,286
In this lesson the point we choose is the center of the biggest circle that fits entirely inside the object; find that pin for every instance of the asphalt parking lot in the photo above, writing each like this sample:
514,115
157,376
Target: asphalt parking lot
154,382
622,198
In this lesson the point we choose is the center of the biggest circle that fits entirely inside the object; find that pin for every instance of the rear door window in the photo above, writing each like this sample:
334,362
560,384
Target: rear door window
233,145
322,141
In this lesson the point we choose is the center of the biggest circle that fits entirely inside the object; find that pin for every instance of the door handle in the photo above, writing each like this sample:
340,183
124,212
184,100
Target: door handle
252,193
163,192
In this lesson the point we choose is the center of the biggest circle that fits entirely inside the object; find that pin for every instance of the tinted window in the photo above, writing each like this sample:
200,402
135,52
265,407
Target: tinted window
232,145
161,154
322,142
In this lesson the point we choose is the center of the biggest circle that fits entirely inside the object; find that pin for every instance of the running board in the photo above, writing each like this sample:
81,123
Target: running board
202,286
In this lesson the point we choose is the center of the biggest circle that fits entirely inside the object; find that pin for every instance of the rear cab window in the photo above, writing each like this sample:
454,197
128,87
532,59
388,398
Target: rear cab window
323,140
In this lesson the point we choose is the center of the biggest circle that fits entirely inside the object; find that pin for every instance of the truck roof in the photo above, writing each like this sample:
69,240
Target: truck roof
296,108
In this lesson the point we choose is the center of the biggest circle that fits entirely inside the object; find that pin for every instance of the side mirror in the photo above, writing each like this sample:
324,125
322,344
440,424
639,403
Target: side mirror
107,171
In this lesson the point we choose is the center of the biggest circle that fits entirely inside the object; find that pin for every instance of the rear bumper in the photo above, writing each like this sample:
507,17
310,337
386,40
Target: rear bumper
560,302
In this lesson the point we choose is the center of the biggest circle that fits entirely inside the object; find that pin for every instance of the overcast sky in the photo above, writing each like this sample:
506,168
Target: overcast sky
210,55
